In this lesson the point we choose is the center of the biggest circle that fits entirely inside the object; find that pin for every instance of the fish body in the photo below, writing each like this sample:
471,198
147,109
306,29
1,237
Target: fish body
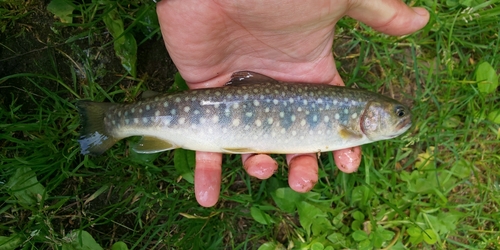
251,114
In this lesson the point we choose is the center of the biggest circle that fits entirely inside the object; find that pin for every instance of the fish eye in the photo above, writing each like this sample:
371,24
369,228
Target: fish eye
400,111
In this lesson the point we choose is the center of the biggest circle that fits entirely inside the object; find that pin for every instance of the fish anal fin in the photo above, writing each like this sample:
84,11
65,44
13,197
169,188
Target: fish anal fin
349,134
239,150
249,77
150,145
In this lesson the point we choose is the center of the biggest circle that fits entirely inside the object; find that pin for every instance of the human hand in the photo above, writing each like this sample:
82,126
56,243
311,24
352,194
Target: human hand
288,40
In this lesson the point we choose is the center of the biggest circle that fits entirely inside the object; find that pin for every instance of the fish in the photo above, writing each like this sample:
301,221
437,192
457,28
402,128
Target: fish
252,113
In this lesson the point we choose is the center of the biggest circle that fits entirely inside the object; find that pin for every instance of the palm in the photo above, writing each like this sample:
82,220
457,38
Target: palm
292,44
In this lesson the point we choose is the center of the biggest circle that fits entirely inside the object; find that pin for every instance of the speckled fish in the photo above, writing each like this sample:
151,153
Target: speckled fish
251,114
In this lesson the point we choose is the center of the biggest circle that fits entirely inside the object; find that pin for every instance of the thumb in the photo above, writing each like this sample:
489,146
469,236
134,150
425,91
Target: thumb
392,17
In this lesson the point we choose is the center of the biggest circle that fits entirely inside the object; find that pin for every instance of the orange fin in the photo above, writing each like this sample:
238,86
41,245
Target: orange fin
150,145
346,133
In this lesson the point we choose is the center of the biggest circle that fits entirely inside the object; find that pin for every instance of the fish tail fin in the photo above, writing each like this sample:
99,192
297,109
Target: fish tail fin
94,137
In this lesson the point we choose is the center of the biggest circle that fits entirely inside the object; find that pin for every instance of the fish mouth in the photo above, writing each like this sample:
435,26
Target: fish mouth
404,124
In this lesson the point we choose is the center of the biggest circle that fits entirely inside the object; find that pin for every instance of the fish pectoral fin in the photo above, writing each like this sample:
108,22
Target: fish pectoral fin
148,94
249,77
239,150
346,133
150,145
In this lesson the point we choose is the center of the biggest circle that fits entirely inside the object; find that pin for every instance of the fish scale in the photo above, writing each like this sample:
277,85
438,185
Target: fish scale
251,114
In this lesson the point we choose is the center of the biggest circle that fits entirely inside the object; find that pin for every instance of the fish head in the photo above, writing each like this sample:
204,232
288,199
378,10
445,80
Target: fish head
384,119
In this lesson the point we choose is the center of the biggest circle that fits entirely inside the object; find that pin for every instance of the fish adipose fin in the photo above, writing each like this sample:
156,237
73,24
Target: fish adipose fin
150,145
94,139
148,94
249,77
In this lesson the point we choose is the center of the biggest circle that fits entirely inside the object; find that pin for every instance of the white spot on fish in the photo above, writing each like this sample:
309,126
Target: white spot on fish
303,122
216,105
353,102
215,118
182,120
140,111
236,122
255,90
270,120
173,111
119,113
299,109
196,112
145,119
177,99
294,133
125,114
266,110
282,114
165,104
136,120
326,119
157,113
256,103
245,97
346,111
114,122
337,116
262,97
275,101
258,123
290,100
247,127
203,120
320,132
236,105
248,114
148,107
217,93
319,101
315,118
283,130
292,118
304,102
229,96
353,116
335,102
186,109
345,99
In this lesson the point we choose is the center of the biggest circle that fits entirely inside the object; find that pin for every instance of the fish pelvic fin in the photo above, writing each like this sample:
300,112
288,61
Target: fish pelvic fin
94,137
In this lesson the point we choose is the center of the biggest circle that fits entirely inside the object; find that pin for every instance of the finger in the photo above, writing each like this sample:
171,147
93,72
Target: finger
260,166
348,160
303,171
207,178
392,17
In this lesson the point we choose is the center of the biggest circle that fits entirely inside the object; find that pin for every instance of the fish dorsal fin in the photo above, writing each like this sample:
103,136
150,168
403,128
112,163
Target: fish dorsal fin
150,145
246,77
148,94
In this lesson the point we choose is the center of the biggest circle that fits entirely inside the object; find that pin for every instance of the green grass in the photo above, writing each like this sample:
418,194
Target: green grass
437,186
